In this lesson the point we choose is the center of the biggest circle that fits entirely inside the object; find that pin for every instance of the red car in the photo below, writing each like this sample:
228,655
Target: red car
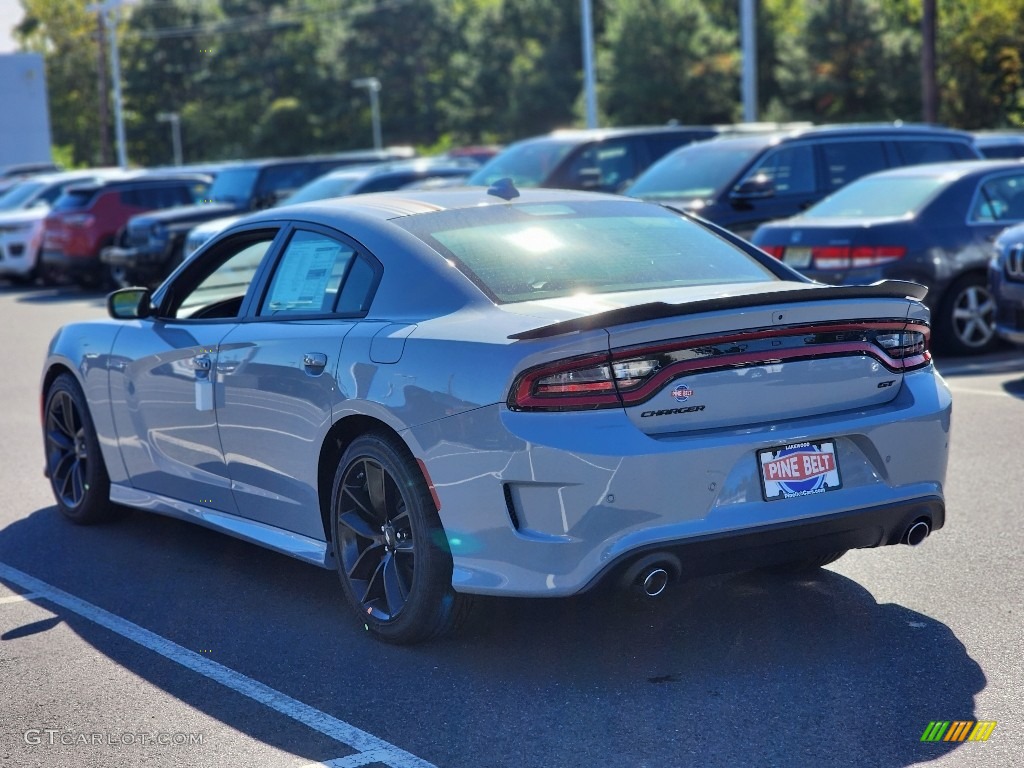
87,218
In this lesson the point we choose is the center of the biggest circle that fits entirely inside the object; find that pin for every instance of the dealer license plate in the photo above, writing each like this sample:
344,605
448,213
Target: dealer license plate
799,469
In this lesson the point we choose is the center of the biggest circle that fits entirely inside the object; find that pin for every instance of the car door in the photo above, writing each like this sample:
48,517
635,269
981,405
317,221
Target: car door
278,374
790,173
164,375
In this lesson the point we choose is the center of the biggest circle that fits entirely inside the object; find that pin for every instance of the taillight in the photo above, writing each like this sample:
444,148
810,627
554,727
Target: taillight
579,384
631,376
845,257
905,345
773,250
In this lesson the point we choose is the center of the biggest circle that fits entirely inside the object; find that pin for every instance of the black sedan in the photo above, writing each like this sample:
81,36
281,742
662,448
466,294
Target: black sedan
931,224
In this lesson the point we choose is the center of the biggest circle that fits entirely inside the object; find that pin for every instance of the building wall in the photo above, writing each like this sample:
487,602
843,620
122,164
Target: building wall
24,116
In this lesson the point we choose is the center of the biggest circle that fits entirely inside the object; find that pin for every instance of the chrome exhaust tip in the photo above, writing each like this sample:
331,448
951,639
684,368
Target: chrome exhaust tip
655,582
917,533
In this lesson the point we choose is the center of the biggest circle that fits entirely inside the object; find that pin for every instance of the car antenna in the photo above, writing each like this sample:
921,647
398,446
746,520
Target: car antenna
503,188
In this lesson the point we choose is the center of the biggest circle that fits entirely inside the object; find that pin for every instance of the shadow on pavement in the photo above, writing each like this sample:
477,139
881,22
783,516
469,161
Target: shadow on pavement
739,670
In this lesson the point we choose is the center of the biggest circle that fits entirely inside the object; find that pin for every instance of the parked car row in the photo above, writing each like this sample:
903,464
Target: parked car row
57,226
152,245
930,224
783,186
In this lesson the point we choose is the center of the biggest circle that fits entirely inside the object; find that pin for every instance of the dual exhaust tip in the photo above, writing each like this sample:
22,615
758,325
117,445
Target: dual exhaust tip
652,574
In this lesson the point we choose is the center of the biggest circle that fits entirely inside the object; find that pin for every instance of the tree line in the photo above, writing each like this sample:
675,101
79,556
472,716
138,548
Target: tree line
274,77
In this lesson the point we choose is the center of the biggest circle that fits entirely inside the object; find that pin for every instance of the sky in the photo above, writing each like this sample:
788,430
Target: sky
10,15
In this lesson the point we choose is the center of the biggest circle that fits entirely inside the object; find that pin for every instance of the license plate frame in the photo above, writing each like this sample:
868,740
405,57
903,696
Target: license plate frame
799,469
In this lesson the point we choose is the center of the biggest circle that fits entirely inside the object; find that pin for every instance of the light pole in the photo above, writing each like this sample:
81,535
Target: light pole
748,34
112,8
589,84
372,84
175,120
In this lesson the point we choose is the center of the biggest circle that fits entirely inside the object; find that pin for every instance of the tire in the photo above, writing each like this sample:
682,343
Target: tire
810,564
74,463
390,548
966,321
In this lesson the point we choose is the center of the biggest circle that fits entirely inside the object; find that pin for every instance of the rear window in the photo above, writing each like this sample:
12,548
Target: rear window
74,199
885,197
528,164
916,152
540,251
20,194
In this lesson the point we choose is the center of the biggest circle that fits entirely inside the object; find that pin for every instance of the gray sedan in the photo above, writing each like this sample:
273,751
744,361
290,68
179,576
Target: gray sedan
482,391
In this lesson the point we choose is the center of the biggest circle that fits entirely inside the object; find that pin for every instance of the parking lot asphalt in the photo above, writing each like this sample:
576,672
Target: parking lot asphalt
148,641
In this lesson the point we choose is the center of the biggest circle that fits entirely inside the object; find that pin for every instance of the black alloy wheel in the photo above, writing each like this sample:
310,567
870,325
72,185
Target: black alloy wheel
74,463
390,548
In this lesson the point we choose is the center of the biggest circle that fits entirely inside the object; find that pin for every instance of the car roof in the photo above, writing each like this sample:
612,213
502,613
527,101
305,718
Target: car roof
137,177
364,156
954,170
889,130
987,138
383,206
580,135
423,164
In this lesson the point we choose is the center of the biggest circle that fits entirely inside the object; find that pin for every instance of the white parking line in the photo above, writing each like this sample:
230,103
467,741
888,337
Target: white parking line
381,751
352,761
18,598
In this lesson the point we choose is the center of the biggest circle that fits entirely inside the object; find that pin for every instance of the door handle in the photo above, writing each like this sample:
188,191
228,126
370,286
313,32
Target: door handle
202,363
315,360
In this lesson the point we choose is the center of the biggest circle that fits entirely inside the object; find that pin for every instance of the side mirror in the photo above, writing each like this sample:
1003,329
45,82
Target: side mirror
130,304
754,188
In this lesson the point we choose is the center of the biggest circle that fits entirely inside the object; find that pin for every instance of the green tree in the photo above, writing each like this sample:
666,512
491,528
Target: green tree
845,63
65,34
668,60
980,63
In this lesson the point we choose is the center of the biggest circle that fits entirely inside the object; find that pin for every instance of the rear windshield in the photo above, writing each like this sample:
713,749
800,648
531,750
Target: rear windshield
528,164
234,186
20,194
698,170
540,251
878,198
73,199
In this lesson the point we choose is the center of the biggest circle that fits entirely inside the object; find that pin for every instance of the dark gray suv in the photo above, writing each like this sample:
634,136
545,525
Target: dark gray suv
741,182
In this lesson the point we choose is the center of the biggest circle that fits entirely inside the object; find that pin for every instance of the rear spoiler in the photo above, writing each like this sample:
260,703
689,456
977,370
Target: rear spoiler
884,289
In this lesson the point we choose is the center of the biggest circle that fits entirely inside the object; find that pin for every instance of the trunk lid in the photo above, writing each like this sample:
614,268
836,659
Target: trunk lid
753,358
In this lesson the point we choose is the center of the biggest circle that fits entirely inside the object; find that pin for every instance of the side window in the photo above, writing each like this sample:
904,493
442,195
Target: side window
308,276
917,152
659,146
216,286
849,160
388,182
131,198
607,165
278,178
790,169
999,199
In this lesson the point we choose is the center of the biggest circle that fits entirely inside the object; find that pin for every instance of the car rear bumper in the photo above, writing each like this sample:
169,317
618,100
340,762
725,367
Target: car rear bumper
779,543
550,504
